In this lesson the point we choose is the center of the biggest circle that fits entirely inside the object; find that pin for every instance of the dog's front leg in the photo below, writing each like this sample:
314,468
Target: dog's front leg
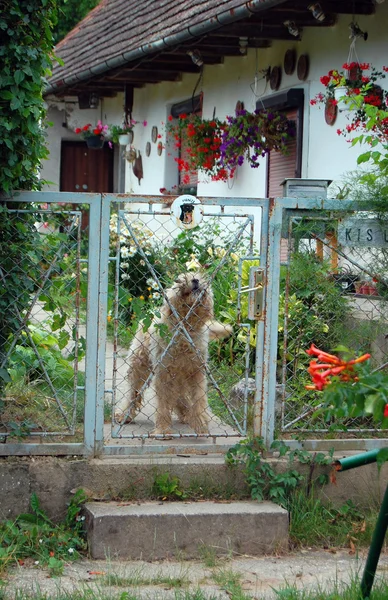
197,415
163,419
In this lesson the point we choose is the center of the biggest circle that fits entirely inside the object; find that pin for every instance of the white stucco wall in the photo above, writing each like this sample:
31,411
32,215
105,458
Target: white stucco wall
325,154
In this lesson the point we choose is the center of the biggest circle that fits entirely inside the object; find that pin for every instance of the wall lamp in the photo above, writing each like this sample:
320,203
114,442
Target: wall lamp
196,57
243,44
317,11
293,29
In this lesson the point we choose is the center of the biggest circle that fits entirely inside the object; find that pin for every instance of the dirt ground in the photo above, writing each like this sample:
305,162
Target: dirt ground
260,576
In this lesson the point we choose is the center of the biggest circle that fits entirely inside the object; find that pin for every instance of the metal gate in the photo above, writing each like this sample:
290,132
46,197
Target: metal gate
99,276
333,293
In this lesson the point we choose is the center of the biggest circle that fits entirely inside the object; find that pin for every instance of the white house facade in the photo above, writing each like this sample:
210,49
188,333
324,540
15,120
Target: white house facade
321,152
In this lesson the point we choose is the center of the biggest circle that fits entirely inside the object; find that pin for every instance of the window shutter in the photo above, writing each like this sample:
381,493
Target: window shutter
282,166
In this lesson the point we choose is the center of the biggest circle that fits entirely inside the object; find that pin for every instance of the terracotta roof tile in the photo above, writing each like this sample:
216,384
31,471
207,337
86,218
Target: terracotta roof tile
118,26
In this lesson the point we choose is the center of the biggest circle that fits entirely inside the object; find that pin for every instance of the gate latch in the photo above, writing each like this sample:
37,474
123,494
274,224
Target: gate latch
255,291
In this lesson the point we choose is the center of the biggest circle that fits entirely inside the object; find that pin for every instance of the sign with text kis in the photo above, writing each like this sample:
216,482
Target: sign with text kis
372,233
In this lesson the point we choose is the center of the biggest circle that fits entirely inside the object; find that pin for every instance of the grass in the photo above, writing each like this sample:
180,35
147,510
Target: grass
315,524
230,582
138,578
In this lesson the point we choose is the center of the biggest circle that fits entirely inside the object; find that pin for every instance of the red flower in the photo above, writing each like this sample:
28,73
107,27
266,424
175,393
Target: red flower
330,366
325,80
77,130
170,117
386,411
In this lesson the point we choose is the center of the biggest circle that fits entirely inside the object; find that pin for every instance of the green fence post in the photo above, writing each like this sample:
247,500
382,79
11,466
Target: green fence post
375,548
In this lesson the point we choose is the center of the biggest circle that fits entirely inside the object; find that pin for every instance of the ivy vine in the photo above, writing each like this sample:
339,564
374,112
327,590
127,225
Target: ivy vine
26,45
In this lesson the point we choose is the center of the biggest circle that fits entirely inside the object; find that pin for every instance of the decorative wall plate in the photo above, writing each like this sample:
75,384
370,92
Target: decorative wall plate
302,68
160,148
331,111
154,133
289,61
275,78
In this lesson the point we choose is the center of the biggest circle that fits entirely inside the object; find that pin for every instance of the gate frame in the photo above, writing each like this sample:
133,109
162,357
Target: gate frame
273,212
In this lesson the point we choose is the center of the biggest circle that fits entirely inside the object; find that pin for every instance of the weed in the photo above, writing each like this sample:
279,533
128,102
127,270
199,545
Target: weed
208,556
138,580
35,536
230,581
168,487
313,523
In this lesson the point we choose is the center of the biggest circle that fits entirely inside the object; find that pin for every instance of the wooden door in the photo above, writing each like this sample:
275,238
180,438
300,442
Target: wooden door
84,169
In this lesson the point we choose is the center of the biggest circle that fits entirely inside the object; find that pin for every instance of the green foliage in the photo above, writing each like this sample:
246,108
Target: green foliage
25,55
367,397
317,523
263,480
34,535
70,13
168,487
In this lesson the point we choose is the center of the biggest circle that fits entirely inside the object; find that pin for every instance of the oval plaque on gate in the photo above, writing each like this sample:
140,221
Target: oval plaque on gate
186,211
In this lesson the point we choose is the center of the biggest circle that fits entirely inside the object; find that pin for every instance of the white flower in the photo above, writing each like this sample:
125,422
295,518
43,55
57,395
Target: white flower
125,276
147,252
36,562
150,281
156,295
132,252
124,265
142,262
40,541
70,550
124,252
210,251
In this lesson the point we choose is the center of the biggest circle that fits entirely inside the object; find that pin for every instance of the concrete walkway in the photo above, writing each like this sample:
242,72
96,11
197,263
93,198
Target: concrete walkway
258,577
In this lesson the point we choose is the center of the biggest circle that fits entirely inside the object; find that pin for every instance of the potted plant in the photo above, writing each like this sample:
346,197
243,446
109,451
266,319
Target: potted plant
122,134
250,136
94,136
353,88
201,140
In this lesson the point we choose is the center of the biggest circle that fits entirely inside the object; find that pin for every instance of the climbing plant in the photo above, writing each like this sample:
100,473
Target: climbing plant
25,55
26,44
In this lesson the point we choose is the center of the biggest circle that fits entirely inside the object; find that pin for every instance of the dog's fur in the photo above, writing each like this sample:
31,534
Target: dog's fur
179,381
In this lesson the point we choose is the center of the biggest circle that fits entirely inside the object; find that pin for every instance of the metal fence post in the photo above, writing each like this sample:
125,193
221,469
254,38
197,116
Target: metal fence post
102,302
271,321
92,325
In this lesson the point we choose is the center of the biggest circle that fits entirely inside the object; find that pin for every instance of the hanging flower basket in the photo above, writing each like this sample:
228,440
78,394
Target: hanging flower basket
94,136
96,142
125,139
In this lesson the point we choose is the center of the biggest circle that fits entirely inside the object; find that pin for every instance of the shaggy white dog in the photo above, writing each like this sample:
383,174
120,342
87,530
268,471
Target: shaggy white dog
171,357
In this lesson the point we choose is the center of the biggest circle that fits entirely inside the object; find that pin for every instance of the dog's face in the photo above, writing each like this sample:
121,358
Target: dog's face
192,290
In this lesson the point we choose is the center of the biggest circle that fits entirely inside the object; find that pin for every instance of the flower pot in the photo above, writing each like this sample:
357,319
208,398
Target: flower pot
124,139
345,99
96,142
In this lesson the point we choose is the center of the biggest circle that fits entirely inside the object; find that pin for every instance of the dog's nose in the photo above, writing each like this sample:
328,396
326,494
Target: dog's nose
195,284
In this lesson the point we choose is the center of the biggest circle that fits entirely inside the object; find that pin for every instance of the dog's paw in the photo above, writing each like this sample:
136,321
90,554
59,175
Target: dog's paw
218,331
121,417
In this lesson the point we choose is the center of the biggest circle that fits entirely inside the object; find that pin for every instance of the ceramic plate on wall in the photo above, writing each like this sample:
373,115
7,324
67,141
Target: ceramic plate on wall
148,148
303,67
275,78
154,133
289,61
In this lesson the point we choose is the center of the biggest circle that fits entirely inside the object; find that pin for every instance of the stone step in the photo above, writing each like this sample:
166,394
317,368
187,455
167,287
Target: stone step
155,530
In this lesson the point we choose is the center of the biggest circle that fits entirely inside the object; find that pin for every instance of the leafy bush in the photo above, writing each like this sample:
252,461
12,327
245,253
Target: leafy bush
35,536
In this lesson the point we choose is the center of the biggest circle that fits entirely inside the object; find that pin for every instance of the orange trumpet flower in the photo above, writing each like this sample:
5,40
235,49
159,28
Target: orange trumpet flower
330,366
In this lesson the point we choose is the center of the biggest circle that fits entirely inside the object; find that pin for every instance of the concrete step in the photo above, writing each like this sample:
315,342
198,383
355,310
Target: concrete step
155,530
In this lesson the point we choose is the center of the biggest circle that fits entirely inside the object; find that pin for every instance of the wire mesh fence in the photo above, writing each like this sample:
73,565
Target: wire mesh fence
335,295
43,283
181,365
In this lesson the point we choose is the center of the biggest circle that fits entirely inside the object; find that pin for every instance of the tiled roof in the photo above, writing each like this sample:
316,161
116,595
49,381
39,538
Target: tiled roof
118,26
